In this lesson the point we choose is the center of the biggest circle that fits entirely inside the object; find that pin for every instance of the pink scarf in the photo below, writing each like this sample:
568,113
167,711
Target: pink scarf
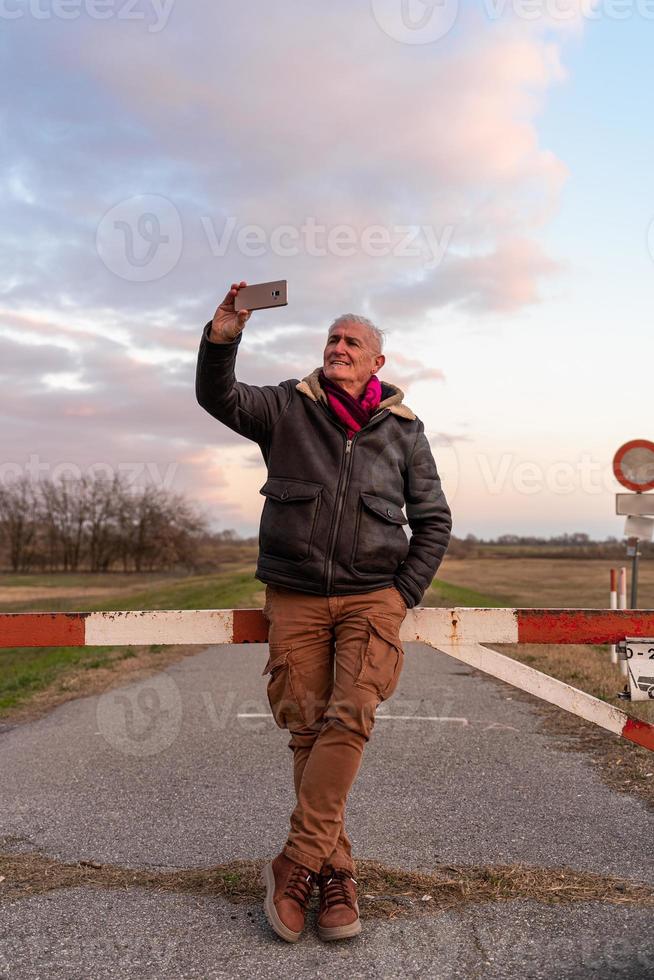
352,412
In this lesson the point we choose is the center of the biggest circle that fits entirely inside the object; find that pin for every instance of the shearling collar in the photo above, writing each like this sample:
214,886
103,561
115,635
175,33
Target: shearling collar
392,396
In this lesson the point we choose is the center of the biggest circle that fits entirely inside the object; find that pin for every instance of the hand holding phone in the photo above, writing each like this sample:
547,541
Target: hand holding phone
236,308
227,322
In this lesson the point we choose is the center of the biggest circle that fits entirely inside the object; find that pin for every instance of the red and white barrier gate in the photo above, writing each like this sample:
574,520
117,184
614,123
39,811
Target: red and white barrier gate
458,632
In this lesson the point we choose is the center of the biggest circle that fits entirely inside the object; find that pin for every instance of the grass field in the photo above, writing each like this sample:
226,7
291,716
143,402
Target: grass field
45,676
581,583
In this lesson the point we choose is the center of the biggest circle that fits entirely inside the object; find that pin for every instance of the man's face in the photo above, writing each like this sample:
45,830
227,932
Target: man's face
350,357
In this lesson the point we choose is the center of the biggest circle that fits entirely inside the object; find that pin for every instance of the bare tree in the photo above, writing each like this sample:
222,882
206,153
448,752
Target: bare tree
19,521
96,522
65,507
103,525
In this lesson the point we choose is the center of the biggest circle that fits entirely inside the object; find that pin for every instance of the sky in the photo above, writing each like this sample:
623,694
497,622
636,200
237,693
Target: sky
474,177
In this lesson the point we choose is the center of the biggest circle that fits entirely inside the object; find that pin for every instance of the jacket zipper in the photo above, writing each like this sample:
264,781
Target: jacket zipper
341,493
340,498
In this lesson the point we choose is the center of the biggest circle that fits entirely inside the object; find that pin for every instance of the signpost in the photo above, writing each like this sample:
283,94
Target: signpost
633,466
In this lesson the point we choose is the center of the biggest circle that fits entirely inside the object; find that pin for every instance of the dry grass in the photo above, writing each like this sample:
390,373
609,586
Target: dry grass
586,667
30,593
561,582
16,590
383,892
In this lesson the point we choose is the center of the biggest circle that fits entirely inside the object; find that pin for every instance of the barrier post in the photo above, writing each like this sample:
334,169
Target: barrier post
613,604
622,604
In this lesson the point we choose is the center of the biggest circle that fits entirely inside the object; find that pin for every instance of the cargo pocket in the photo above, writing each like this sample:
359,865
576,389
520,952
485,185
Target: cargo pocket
382,659
280,693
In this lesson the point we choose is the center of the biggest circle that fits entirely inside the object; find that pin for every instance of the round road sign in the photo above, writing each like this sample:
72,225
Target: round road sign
633,465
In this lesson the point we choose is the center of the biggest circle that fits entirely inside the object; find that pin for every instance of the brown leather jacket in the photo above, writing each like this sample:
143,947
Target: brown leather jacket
333,520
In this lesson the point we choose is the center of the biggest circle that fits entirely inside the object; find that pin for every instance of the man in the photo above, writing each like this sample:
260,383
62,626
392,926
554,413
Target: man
344,455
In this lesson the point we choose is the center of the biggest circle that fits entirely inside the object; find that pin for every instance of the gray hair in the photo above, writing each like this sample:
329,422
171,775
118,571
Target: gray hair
376,334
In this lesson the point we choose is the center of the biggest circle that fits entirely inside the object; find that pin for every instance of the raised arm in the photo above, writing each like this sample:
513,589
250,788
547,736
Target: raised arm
247,409
430,520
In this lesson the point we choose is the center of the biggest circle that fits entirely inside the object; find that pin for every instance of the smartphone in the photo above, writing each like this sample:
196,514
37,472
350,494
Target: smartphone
262,296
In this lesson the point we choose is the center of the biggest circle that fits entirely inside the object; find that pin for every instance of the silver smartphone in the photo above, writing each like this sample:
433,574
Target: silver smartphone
262,296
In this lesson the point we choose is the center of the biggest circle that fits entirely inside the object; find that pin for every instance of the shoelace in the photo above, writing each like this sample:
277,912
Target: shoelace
334,890
299,885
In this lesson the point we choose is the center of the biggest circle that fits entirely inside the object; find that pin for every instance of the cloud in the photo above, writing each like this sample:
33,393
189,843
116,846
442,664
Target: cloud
406,371
361,133
380,177
502,281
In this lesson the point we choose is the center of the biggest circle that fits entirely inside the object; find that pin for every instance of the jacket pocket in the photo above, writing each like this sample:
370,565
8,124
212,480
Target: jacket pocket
380,543
289,517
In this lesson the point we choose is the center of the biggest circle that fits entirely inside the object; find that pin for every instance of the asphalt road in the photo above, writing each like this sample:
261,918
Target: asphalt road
179,771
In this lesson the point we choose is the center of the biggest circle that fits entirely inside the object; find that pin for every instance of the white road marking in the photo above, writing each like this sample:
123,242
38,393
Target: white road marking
461,721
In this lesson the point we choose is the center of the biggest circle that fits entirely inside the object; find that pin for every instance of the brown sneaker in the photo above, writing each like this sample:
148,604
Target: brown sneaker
288,890
339,910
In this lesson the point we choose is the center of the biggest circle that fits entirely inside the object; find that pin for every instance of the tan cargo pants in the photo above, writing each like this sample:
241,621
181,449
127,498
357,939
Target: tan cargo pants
333,660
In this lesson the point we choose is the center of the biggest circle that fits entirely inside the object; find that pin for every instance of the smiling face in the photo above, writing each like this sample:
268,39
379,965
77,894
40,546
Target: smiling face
351,355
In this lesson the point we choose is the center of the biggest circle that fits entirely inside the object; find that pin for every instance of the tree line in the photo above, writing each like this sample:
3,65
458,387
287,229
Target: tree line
97,524
578,544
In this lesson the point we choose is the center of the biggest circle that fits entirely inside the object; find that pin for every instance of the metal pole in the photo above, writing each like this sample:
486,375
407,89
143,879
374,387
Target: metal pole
613,602
622,604
634,554
634,577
